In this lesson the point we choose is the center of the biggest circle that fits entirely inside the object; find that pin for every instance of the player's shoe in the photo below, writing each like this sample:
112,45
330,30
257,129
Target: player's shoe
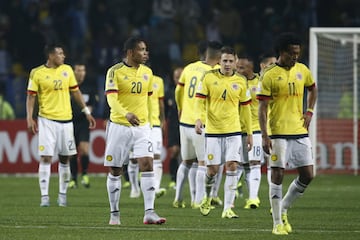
62,200
172,185
114,218
126,184
160,193
45,201
229,214
279,230
179,204
216,201
134,194
252,203
194,205
152,218
85,181
287,225
72,184
205,206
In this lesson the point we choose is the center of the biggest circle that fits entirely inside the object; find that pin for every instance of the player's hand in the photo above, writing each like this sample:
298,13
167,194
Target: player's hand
91,120
266,143
132,119
307,119
198,126
249,142
32,126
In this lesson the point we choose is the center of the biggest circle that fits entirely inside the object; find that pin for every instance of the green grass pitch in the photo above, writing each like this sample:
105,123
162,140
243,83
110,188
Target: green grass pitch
330,209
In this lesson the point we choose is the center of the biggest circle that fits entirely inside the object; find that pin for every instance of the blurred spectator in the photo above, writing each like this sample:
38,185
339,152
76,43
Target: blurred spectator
6,110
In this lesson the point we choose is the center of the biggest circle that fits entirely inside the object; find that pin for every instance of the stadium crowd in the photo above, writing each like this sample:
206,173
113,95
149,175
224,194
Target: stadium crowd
93,32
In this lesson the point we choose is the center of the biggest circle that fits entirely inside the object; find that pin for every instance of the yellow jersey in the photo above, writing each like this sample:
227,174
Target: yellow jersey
133,87
158,94
53,86
285,90
253,85
185,91
223,96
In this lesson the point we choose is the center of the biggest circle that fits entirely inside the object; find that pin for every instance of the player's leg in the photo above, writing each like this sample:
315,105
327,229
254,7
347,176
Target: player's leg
133,172
304,162
156,139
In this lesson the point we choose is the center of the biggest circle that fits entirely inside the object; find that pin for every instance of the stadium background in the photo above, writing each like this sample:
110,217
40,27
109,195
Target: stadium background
93,31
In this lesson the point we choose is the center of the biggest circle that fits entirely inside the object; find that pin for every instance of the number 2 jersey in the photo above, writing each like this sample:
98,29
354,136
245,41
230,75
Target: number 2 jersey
133,87
53,86
285,90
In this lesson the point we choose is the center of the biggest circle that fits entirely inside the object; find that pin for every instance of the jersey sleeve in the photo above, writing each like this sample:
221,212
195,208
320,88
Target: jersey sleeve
33,86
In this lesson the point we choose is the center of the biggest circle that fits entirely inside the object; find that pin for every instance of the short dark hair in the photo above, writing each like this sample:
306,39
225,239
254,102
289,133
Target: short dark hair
50,48
132,42
202,46
214,49
245,56
228,50
264,56
284,40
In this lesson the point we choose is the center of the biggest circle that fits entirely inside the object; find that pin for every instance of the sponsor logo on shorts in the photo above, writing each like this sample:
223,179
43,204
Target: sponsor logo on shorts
274,158
210,156
109,158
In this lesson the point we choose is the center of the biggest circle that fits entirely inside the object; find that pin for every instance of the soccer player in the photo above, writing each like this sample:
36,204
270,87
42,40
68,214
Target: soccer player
252,160
52,83
192,144
282,91
219,98
81,129
128,87
172,120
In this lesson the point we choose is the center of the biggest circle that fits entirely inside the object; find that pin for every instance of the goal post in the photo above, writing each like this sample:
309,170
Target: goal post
334,131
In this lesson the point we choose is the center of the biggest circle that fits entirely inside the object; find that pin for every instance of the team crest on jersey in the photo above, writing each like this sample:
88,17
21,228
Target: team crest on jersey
235,86
146,77
155,86
65,74
274,158
299,76
111,83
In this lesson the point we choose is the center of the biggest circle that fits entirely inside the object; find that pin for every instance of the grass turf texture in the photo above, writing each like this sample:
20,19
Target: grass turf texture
330,209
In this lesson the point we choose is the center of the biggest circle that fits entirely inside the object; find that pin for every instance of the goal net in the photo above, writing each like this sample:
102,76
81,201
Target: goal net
334,64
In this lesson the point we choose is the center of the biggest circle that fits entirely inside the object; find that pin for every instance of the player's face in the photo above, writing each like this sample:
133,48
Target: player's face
291,56
242,66
80,72
140,54
57,57
227,64
176,75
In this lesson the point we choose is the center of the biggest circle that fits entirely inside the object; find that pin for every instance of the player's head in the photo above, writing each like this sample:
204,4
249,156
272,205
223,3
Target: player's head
267,59
202,45
213,50
136,51
287,47
245,65
54,54
80,72
227,61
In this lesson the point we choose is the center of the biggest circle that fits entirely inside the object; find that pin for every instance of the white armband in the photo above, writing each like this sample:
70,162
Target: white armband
86,110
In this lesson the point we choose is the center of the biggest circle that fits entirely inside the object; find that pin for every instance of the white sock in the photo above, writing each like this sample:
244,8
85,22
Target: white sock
192,180
64,177
158,171
268,175
254,181
209,182
148,189
296,190
113,185
44,172
181,175
240,170
275,195
200,184
216,185
133,172
247,175
230,188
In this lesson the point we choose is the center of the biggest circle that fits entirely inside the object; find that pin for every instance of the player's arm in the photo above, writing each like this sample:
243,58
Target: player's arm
80,101
200,109
312,96
179,94
30,103
245,120
263,110
162,113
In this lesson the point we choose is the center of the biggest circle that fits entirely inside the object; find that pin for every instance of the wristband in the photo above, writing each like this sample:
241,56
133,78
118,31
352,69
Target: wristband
86,110
309,112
